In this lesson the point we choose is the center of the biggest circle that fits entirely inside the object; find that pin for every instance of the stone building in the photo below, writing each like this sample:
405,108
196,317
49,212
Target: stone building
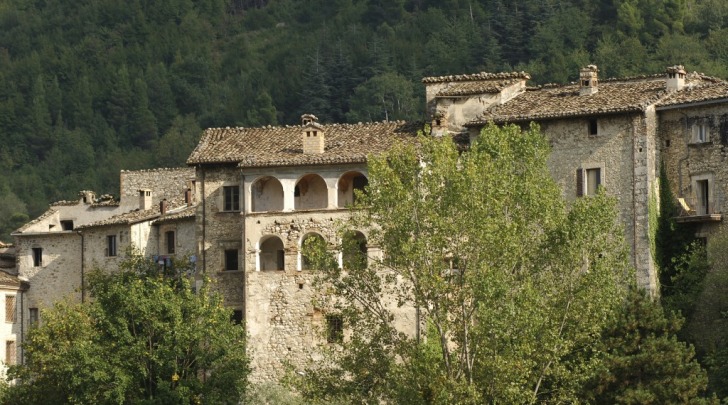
262,193
13,291
255,195
55,251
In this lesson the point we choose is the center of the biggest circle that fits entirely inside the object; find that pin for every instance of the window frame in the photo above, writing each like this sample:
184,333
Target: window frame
33,316
229,254
592,127
231,198
582,179
112,246
37,256
334,328
170,241
700,131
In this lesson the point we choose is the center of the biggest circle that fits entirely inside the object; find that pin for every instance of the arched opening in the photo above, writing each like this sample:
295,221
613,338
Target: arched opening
305,261
347,185
354,251
310,193
271,254
267,195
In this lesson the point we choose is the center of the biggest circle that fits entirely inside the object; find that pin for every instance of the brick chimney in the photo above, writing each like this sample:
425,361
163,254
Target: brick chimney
145,199
313,134
588,83
675,77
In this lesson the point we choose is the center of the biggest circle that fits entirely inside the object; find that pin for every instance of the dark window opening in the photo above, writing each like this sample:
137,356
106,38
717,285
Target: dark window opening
272,254
334,329
37,257
67,225
169,237
237,317
111,245
33,316
593,180
231,259
231,196
593,127
296,192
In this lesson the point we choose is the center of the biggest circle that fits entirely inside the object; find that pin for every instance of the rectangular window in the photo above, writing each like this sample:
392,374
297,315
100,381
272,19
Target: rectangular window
231,195
334,329
702,193
33,316
37,257
237,317
593,180
701,132
10,353
169,237
593,127
231,259
67,225
10,309
111,245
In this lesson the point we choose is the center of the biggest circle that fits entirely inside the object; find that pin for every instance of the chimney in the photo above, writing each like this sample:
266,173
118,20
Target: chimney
313,135
145,199
588,80
163,207
675,77
89,197
438,127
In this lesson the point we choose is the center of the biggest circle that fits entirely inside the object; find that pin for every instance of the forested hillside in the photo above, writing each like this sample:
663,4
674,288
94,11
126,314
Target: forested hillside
91,87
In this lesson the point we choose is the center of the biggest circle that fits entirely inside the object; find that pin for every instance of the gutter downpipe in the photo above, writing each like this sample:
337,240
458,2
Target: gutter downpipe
83,284
242,240
204,222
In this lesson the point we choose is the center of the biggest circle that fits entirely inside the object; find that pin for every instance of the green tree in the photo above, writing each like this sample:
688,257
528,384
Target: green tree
384,97
512,288
145,336
645,363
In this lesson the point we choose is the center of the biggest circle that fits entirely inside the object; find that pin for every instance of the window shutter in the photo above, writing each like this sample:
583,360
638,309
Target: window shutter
579,182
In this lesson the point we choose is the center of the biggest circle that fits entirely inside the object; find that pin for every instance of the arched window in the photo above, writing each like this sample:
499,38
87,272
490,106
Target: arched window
271,254
354,250
349,182
267,195
310,193
305,262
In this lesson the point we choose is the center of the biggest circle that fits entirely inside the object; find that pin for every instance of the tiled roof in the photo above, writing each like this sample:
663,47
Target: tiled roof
5,245
133,217
696,93
11,280
43,216
477,77
283,146
476,87
565,101
185,213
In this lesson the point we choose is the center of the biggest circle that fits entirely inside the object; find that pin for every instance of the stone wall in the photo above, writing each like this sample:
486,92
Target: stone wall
169,183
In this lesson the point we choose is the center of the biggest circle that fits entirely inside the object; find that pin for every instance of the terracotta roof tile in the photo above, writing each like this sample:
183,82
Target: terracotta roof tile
477,77
476,87
184,213
696,93
283,146
133,217
11,280
565,101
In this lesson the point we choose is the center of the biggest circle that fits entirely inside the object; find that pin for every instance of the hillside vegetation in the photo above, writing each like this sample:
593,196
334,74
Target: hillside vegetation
91,87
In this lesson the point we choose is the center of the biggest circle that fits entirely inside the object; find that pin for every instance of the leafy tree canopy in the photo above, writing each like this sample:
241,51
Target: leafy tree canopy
144,337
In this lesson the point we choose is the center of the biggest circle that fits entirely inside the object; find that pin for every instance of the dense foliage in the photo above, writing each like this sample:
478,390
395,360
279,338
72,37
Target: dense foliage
516,293
145,337
88,88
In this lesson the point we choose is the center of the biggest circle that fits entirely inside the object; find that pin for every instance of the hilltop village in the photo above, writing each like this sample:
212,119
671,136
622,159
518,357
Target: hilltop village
249,198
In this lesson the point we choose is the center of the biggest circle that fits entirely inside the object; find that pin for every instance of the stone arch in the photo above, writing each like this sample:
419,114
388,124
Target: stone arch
303,262
348,182
266,194
310,193
271,255
354,250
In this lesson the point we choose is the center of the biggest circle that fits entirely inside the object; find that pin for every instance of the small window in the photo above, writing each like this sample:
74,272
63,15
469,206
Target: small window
701,132
231,195
231,259
33,316
67,225
111,245
588,181
169,238
334,329
37,257
10,353
593,127
10,309
237,317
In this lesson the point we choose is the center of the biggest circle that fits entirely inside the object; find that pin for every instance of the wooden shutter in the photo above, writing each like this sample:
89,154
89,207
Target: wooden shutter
579,182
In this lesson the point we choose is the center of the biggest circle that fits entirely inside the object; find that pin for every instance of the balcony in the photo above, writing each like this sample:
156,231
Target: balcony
691,210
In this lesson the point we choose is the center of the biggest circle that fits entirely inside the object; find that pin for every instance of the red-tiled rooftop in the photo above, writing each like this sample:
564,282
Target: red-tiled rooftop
696,93
283,145
476,87
477,77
